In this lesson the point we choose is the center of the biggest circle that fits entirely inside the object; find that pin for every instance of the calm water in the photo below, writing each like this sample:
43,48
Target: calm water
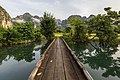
16,63
101,63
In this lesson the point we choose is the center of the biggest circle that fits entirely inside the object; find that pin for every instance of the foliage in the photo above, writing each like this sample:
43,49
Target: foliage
99,58
48,25
26,31
19,33
115,17
68,29
103,27
37,34
58,34
80,29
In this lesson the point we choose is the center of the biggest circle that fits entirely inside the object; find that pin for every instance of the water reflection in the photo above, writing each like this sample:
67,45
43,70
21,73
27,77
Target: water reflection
17,62
99,58
18,52
21,52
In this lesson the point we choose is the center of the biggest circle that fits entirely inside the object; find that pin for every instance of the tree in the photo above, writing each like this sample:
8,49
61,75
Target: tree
103,28
26,30
80,29
48,24
67,29
115,17
37,34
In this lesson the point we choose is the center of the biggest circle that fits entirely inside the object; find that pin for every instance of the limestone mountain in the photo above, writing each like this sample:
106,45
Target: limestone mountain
80,17
26,17
90,17
77,16
5,19
65,22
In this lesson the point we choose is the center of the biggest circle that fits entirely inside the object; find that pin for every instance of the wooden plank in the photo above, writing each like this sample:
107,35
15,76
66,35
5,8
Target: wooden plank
44,69
69,70
59,63
77,69
86,73
49,71
59,70
39,63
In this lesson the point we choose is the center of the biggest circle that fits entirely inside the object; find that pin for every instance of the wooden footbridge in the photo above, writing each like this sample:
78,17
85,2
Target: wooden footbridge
59,63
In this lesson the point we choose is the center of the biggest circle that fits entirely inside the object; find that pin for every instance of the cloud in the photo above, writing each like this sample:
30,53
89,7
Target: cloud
60,8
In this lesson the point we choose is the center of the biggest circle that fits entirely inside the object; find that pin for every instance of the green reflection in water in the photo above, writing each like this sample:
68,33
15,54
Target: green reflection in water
17,62
18,52
99,60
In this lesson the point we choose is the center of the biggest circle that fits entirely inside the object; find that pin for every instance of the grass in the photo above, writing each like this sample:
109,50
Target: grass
90,37
118,38
96,38
58,34
119,35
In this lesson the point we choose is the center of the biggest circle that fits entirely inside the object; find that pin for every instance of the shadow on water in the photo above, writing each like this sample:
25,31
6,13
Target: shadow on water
99,58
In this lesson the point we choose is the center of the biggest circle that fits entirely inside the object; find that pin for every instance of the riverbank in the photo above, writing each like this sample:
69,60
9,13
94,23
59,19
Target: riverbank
10,43
15,43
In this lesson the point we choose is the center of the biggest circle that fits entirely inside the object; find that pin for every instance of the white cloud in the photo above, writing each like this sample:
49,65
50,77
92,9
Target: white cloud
60,8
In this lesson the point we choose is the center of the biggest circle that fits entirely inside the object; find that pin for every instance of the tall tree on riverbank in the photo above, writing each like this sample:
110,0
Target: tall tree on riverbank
80,29
48,24
115,17
26,30
103,27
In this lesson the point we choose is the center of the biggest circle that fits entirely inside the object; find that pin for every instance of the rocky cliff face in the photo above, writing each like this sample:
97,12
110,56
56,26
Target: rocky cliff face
5,19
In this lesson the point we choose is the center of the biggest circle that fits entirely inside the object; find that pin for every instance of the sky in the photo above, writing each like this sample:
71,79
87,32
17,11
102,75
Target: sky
61,9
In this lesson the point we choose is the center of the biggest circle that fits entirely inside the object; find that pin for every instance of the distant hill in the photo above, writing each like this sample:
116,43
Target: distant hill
65,22
77,16
26,17
90,17
5,19
80,17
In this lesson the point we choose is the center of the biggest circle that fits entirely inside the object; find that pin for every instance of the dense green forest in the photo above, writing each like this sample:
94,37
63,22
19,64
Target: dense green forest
19,33
25,32
102,27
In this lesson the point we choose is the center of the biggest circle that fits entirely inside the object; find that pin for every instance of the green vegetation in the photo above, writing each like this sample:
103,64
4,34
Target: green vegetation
20,33
104,28
25,32
58,34
80,29
48,25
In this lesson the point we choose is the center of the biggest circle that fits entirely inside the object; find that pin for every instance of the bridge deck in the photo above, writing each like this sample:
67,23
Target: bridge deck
59,64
